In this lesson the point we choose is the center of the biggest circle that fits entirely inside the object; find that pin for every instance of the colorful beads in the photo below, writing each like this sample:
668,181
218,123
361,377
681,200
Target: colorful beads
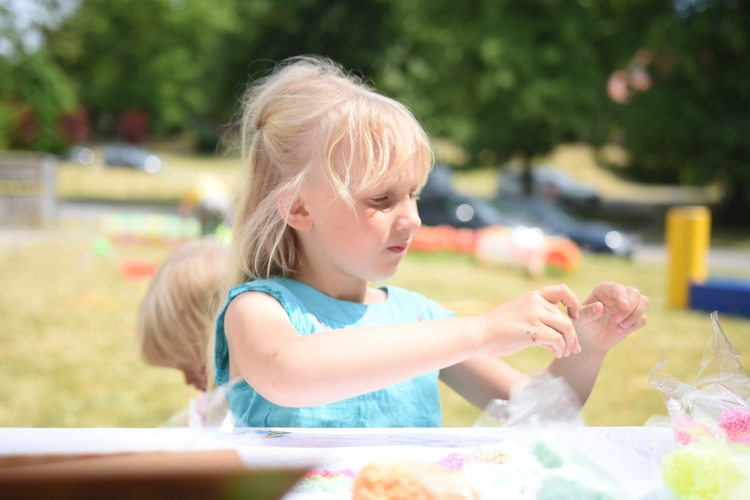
487,454
700,470
735,422
547,456
326,481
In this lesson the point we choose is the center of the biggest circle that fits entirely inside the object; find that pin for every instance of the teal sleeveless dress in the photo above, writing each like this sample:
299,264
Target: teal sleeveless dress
411,403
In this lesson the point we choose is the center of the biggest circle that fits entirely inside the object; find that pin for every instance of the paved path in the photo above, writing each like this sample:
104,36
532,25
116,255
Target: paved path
728,258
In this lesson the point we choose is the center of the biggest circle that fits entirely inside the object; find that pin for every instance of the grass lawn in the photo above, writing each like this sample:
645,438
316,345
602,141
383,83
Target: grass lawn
69,357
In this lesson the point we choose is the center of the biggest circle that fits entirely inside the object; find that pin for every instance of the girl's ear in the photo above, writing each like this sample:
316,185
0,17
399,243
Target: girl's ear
294,213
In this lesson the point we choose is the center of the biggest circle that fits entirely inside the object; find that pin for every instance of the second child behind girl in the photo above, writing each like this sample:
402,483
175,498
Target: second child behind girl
334,171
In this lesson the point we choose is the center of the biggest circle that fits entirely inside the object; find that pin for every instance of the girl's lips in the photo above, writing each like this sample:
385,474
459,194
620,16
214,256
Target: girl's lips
399,248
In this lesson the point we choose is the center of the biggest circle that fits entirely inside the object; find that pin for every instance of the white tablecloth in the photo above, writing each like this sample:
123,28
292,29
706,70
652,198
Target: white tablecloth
630,454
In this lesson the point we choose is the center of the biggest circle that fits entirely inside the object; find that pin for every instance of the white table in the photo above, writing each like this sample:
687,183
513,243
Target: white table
630,454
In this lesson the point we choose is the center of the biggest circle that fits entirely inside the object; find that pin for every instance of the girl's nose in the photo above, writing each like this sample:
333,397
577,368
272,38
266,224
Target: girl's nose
409,217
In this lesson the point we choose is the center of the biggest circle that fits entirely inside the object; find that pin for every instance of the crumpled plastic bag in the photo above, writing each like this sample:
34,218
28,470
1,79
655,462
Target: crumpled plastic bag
548,407
720,384
209,409
710,419
536,399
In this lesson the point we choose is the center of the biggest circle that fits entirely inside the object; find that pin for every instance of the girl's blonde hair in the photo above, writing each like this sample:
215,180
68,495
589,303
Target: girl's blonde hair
176,316
310,118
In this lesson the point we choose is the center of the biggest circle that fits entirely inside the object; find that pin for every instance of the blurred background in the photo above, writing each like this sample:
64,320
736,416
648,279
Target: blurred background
583,123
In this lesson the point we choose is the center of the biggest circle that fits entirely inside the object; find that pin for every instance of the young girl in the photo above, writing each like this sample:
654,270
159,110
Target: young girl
176,316
334,172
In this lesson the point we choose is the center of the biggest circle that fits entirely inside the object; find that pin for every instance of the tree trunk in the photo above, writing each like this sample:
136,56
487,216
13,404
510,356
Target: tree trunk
735,205
527,177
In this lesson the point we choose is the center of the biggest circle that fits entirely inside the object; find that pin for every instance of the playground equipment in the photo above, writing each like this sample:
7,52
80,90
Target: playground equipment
688,235
723,295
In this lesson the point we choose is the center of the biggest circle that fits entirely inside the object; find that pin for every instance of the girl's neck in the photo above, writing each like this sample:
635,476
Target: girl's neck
351,290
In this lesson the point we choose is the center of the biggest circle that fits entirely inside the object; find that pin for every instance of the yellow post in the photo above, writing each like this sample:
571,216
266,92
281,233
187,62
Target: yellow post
688,234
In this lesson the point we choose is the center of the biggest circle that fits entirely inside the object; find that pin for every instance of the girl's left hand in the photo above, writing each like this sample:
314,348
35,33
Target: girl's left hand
611,313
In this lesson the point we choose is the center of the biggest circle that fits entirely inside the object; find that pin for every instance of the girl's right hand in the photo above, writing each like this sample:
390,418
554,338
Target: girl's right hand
533,319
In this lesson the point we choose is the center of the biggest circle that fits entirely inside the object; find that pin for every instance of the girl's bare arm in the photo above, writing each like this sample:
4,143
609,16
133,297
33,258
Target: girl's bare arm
293,370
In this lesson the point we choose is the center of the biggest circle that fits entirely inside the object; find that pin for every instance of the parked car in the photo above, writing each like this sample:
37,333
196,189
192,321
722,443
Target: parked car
441,204
464,223
119,154
550,183
81,155
460,211
594,236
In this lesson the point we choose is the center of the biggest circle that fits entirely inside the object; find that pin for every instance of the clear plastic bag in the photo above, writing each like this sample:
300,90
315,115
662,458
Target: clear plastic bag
542,415
720,384
710,419
209,409
535,400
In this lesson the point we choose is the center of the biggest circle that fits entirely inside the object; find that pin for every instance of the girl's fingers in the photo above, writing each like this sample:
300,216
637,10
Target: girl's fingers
637,317
590,312
613,295
561,294
559,329
635,326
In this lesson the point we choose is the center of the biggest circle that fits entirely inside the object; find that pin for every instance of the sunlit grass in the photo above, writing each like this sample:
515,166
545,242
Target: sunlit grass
69,357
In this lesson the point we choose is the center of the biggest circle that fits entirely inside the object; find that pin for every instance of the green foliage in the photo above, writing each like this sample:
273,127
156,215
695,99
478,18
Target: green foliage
692,125
40,85
158,56
694,118
185,63
501,77
355,34
7,123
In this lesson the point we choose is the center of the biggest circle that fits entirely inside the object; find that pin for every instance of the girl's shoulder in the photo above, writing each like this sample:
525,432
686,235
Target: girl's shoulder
275,287
404,298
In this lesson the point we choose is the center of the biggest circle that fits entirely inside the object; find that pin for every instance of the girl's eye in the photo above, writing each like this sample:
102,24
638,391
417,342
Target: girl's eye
379,201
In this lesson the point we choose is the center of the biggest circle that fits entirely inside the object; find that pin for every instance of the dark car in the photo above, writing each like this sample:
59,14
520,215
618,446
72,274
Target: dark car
552,184
595,236
118,154
460,211
441,204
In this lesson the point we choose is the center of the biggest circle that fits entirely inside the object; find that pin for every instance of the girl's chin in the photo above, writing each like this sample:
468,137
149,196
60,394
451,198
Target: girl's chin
384,275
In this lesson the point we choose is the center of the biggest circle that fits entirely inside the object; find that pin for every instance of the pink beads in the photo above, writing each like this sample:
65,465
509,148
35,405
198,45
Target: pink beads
735,422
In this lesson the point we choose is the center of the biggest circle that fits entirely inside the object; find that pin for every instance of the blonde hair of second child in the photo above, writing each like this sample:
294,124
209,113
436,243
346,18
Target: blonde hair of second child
176,315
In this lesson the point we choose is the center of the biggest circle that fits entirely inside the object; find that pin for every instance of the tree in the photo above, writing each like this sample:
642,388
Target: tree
354,34
502,78
691,125
39,95
185,64
156,56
